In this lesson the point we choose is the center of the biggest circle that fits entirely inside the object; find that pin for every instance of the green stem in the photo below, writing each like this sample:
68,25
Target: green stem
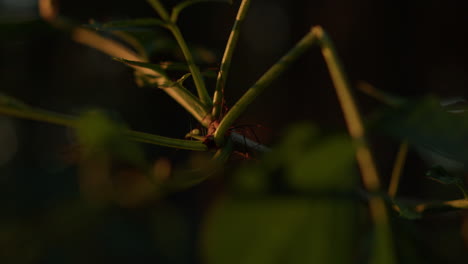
384,246
115,49
227,58
69,121
159,8
462,189
196,74
38,115
272,74
455,204
397,169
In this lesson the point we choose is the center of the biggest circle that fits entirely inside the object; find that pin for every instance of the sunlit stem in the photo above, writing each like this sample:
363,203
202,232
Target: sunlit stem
272,74
383,252
454,204
196,74
227,58
70,121
49,12
159,8
115,49
397,169
462,189
384,245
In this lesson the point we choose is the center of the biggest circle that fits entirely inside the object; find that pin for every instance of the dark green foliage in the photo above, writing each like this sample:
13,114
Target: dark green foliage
439,174
314,222
425,123
99,135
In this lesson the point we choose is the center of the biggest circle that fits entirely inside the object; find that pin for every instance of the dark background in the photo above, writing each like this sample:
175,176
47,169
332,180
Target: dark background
403,47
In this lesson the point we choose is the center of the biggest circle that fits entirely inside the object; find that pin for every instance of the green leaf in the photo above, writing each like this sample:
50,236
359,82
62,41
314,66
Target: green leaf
143,79
178,8
255,226
6,100
128,25
326,165
312,161
98,134
274,230
178,66
425,124
155,67
406,211
174,66
439,174
297,140
445,206
183,78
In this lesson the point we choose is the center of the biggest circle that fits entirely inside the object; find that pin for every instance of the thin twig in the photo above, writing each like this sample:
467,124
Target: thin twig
70,121
272,74
49,12
384,248
227,58
196,74
397,169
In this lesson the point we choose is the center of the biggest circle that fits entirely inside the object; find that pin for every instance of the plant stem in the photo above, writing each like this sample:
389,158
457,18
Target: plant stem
115,49
272,74
196,74
397,169
227,58
462,189
38,115
159,8
384,248
49,12
457,204
70,121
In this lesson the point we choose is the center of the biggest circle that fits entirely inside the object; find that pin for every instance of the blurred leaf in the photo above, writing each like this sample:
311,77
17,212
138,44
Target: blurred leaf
99,134
426,124
178,66
155,67
181,6
128,25
439,174
251,179
273,230
312,161
174,66
445,206
328,164
406,211
299,139
6,100
183,78
253,226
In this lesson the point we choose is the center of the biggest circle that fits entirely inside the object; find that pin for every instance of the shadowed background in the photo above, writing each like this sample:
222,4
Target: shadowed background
398,46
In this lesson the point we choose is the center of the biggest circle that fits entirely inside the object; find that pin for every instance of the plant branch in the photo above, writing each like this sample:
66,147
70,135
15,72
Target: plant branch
196,74
457,204
159,8
242,144
197,109
272,74
70,121
384,248
227,58
397,169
